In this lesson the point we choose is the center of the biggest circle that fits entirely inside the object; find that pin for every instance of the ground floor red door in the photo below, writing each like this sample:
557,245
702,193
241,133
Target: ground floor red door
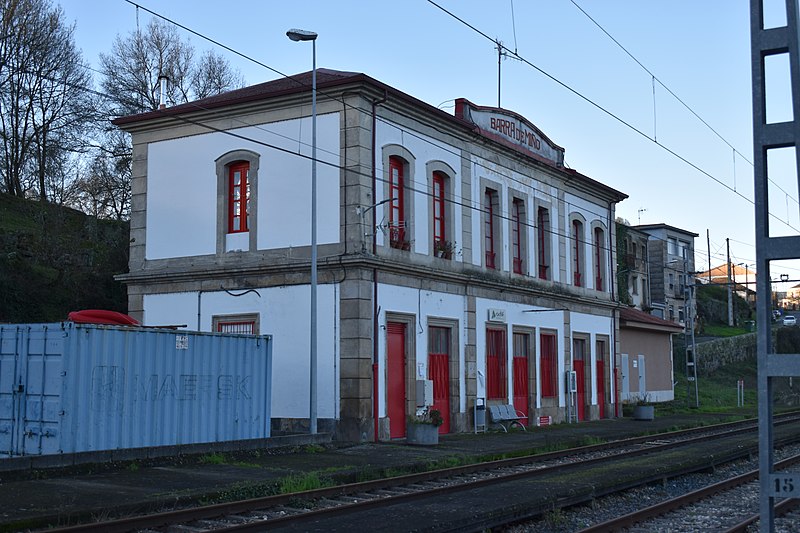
520,369
396,379
601,388
580,396
439,373
521,384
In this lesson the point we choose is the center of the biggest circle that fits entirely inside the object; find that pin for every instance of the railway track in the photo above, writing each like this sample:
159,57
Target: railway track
479,483
725,503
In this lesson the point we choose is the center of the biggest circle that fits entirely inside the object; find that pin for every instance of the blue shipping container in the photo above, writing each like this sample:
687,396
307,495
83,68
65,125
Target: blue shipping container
67,388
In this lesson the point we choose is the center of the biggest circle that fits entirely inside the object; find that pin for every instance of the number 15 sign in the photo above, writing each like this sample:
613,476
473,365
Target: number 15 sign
786,485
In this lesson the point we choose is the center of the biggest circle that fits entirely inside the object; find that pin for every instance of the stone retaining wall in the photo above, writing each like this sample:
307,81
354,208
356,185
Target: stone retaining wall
713,354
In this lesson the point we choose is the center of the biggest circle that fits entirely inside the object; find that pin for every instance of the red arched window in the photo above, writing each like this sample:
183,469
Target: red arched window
397,218
238,196
577,244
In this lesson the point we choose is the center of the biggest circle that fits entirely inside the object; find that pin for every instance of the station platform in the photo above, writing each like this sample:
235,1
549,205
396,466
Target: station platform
36,498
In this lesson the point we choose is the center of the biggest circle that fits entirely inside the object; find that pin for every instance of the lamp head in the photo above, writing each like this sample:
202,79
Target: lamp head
301,35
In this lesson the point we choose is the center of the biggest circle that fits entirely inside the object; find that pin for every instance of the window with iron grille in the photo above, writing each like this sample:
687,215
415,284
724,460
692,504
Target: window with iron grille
397,193
245,324
543,241
496,377
549,365
238,196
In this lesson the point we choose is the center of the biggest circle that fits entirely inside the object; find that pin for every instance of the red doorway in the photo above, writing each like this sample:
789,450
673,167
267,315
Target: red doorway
578,365
520,369
396,379
601,388
439,372
600,374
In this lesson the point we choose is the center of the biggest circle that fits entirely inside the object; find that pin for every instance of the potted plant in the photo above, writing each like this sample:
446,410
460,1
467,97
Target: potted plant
423,427
643,408
443,249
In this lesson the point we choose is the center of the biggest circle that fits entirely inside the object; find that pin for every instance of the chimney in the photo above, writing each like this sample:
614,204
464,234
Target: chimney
162,101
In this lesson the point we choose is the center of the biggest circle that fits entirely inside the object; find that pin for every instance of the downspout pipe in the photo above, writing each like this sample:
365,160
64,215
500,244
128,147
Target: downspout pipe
375,104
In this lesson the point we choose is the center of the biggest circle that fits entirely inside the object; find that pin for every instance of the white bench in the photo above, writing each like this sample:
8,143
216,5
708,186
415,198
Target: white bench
506,416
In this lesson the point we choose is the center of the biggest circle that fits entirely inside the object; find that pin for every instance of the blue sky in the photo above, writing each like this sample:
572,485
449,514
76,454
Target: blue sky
699,50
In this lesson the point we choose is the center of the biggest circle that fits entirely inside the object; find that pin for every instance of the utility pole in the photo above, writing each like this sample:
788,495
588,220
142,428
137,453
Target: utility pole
688,313
730,288
500,54
708,247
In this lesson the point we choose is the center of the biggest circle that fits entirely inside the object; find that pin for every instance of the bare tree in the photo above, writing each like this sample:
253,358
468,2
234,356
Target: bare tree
103,189
132,68
130,80
44,106
213,75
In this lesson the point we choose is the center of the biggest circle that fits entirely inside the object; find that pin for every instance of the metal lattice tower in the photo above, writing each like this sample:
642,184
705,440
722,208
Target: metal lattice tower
766,43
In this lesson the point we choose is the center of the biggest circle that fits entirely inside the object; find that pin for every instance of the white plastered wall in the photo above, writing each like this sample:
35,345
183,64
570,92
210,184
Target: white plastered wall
284,313
182,187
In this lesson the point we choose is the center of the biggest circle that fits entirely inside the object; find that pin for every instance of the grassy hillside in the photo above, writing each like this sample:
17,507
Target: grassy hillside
54,260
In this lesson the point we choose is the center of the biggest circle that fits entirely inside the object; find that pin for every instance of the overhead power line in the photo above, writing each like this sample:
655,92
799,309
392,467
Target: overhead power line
677,98
302,83
603,109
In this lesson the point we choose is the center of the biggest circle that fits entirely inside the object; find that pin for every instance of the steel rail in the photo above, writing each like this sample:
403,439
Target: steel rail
662,508
234,508
781,508
313,516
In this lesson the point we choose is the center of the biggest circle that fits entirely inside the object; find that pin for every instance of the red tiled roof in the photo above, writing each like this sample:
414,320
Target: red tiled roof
631,314
298,83
284,85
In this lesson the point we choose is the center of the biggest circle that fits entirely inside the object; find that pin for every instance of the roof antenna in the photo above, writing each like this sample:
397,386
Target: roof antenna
641,210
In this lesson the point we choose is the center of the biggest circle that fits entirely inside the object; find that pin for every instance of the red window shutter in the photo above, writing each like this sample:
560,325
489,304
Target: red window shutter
496,385
516,236
397,219
548,365
577,229
541,221
489,228
439,229
598,259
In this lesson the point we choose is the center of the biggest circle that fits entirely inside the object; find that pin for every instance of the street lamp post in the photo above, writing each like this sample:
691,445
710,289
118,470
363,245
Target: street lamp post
303,35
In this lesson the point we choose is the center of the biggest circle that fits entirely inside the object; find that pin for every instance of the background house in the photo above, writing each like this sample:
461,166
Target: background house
646,356
646,362
671,259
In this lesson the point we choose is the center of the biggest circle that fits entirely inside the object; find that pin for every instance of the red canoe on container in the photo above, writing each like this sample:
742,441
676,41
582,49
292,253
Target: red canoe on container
101,316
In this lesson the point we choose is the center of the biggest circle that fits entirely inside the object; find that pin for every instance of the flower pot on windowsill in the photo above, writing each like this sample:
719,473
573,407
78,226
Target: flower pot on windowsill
443,249
400,245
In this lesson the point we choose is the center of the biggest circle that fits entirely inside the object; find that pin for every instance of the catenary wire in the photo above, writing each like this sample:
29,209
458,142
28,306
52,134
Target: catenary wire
677,98
604,110
249,58
678,156
505,217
